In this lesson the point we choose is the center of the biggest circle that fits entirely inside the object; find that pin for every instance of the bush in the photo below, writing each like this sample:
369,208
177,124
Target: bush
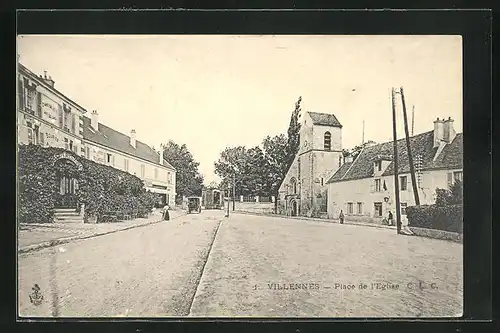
100,187
447,218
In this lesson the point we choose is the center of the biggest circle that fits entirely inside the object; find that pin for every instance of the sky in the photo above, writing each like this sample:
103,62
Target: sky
214,91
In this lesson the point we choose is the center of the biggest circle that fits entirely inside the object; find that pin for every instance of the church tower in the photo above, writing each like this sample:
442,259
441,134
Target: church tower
304,189
319,157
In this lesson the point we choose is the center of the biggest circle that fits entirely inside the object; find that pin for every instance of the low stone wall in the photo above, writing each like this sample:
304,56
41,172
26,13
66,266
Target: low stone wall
438,234
253,207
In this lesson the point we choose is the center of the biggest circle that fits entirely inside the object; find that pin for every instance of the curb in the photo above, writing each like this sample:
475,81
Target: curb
40,246
318,220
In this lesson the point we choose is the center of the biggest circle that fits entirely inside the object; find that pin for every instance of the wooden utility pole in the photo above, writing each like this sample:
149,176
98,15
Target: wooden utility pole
363,135
410,154
396,178
234,189
412,119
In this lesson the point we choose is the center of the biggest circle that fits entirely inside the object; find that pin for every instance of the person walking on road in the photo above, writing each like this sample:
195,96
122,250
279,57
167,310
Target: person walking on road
341,217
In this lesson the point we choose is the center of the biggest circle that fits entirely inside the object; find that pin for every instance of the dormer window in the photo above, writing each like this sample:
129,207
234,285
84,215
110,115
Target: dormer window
328,141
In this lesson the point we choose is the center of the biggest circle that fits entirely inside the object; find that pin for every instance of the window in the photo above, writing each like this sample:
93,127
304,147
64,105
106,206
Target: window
349,208
109,158
360,208
142,170
298,167
378,165
71,145
403,208
169,178
378,209
125,161
404,183
322,182
377,185
87,152
156,173
73,124
328,141
36,135
457,175
42,138
293,184
30,99
66,144
61,116
30,136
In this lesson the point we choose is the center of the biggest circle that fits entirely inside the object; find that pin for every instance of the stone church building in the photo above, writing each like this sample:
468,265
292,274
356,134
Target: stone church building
304,188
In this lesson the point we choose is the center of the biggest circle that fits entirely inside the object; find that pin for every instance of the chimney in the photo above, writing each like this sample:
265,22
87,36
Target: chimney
438,132
94,120
132,138
348,159
161,154
449,131
48,79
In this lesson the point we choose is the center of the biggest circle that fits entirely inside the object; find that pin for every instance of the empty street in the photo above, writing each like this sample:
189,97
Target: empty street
208,265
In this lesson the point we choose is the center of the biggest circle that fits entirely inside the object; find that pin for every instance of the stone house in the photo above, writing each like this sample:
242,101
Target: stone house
47,117
364,188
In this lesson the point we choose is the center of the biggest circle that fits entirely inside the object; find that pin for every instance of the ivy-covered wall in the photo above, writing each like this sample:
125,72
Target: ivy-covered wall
100,187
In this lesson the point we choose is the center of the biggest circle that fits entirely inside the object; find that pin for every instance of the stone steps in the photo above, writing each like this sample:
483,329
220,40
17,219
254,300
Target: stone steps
67,215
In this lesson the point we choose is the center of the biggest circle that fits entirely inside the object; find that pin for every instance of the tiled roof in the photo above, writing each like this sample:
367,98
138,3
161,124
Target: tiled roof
325,119
340,172
111,138
421,144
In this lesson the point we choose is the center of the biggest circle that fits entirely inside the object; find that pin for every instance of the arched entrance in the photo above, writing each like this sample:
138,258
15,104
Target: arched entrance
67,173
294,208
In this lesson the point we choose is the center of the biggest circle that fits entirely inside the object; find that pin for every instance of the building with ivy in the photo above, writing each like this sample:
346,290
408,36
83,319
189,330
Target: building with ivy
48,118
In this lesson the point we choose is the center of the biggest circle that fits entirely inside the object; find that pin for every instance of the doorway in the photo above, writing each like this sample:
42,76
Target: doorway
67,176
294,208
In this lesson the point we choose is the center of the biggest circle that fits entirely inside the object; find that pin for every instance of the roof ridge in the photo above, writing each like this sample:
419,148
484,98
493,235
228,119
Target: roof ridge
128,136
354,161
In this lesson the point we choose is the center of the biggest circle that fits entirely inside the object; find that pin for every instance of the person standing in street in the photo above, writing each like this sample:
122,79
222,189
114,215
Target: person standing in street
341,217
166,214
390,219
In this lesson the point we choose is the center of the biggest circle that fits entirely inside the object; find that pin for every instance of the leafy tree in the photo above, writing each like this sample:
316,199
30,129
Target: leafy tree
246,167
231,164
275,152
456,193
451,196
188,179
294,133
354,152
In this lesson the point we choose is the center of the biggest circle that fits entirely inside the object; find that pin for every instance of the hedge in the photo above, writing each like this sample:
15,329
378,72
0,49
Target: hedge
100,187
447,218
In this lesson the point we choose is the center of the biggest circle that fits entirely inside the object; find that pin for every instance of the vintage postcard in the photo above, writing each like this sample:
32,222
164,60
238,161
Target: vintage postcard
239,176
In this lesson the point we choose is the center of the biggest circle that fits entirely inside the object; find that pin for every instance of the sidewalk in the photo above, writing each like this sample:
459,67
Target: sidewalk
36,236
365,224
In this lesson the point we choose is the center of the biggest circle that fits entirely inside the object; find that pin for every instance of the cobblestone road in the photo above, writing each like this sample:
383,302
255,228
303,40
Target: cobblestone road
257,266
